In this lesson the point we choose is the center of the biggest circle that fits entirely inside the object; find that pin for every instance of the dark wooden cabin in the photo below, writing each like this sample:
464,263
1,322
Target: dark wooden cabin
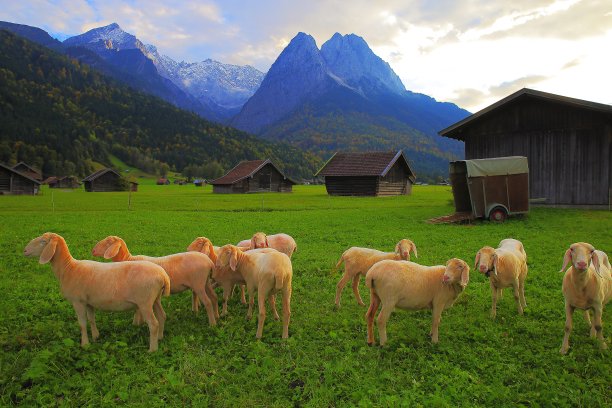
28,170
567,141
368,174
255,176
107,180
14,182
63,182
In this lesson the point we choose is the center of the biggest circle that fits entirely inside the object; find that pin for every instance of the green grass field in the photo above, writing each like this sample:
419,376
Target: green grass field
512,361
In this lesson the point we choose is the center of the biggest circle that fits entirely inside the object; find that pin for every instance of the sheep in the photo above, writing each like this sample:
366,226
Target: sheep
90,285
267,271
410,286
358,260
281,242
587,285
226,277
509,266
187,270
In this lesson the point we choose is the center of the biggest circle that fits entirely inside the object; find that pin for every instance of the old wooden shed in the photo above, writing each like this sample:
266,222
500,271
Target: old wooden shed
15,182
107,180
368,174
28,170
567,141
254,176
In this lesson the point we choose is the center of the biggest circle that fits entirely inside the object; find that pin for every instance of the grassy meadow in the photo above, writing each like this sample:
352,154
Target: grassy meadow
512,361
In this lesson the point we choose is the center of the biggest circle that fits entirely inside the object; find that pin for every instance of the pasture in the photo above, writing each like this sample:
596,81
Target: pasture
512,361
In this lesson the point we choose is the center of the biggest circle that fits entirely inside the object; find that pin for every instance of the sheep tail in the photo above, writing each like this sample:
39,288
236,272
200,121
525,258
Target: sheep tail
369,280
166,284
279,279
340,260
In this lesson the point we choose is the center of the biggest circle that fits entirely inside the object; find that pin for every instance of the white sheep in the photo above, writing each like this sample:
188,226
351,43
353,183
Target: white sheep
281,242
505,267
587,285
410,286
358,260
187,270
90,285
266,271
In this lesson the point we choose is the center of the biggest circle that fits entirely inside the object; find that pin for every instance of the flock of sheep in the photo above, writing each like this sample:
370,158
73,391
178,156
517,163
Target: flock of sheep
263,265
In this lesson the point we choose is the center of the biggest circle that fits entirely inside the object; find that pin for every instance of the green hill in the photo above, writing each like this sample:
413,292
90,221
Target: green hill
60,115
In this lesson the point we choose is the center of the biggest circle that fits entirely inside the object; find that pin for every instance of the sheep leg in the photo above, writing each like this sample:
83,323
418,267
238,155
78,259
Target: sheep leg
356,289
500,293
200,290
272,300
91,316
340,286
251,292
160,315
137,321
435,321
522,292
495,292
242,296
286,311
81,312
569,311
262,292
587,317
517,296
597,323
227,292
382,319
213,298
149,318
195,302
374,303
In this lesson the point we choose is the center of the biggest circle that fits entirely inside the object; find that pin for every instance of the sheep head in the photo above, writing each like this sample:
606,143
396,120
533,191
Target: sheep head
44,247
109,247
228,255
457,271
580,254
486,260
404,247
201,244
259,240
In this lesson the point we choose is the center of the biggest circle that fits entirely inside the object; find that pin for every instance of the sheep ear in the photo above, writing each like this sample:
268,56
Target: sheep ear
477,260
397,248
567,258
233,262
112,250
596,263
465,276
253,243
414,250
48,252
267,245
495,261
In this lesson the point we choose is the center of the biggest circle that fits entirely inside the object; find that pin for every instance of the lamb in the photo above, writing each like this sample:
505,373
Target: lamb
358,260
90,285
226,277
509,266
187,270
410,286
587,285
281,242
267,271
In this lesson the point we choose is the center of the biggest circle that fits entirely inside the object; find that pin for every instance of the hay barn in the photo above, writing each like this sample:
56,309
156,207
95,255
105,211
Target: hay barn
567,141
254,176
14,182
368,174
28,170
108,180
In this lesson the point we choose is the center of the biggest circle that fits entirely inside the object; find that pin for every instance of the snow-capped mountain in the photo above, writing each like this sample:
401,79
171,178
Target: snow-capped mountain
104,39
224,86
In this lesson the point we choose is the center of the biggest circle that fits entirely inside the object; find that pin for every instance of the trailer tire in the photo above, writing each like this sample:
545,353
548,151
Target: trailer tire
498,214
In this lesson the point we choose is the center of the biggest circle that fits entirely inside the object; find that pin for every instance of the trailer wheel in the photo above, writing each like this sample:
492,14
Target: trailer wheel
498,214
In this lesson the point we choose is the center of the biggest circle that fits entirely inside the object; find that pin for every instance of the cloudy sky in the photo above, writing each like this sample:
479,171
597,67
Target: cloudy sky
470,52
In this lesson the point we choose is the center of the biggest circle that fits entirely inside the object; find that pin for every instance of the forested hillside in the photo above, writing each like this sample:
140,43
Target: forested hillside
60,115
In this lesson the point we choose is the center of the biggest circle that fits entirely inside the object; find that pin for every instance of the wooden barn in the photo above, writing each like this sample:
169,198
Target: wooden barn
107,180
14,182
567,141
63,182
368,174
28,170
255,176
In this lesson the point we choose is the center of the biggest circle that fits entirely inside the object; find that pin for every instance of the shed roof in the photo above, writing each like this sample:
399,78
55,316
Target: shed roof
454,130
363,164
99,173
12,170
24,164
244,170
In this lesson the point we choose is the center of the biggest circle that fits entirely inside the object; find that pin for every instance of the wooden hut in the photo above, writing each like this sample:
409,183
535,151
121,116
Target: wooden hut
63,182
255,176
14,182
368,174
28,170
567,141
107,180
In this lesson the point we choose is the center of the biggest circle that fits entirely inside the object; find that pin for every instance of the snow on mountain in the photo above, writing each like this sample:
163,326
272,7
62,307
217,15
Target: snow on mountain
110,37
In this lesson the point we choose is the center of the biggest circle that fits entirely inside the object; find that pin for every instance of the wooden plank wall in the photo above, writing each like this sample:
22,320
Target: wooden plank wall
568,149
351,186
